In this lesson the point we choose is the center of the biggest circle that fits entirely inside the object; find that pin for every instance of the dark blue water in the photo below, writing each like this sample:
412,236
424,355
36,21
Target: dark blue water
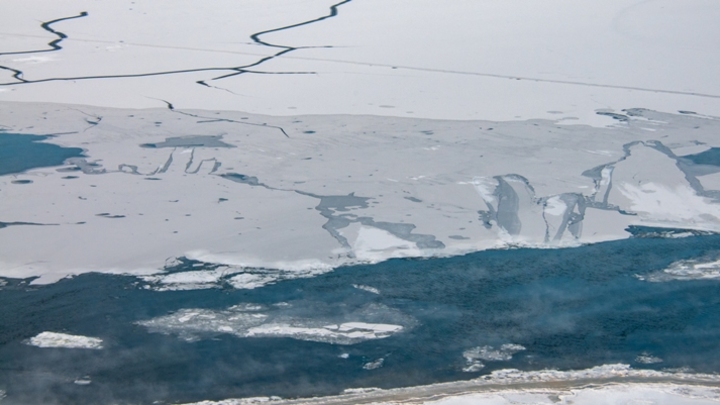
709,157
571,309
19,153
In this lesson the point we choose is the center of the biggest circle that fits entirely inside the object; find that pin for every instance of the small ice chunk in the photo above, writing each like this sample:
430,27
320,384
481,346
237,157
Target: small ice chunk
247,281
647,358
367,288
473,367
62,340
684,270
488,353
374,364
351,391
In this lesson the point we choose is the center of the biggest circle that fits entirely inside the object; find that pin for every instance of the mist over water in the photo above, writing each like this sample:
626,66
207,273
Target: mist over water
568,308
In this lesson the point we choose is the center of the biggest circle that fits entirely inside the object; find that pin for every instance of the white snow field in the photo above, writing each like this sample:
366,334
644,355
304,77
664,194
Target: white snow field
276,139
464,60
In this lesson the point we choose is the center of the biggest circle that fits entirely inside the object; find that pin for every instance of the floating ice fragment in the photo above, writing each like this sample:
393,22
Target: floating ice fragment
367,288
489,353
647,358
252,320
686,270
83,381
62,340
374,364
473,367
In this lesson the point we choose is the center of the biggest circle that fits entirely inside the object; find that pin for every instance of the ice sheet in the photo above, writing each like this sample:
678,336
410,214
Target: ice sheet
476,60
234,191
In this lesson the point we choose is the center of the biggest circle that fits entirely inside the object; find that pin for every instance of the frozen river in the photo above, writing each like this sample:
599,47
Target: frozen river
298,198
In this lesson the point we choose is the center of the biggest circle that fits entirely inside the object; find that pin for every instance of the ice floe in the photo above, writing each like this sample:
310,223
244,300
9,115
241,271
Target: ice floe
684,270
184,274
647,358
83,381
475,356
269,207
66,341
254,321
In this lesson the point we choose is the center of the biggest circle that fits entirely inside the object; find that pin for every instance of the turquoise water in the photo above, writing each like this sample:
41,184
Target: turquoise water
19,153
569,308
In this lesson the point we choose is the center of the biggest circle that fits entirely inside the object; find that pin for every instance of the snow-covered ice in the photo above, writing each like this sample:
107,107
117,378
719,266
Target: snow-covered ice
686,270
65,341
501,124
268,208
253,321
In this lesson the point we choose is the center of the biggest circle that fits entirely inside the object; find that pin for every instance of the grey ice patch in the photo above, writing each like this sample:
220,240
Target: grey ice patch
602,178
615,116
132,169
335,207
404,231
507,208
572,206
688,165
243,179
367,288
342,203
191,141
507,202
87,167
